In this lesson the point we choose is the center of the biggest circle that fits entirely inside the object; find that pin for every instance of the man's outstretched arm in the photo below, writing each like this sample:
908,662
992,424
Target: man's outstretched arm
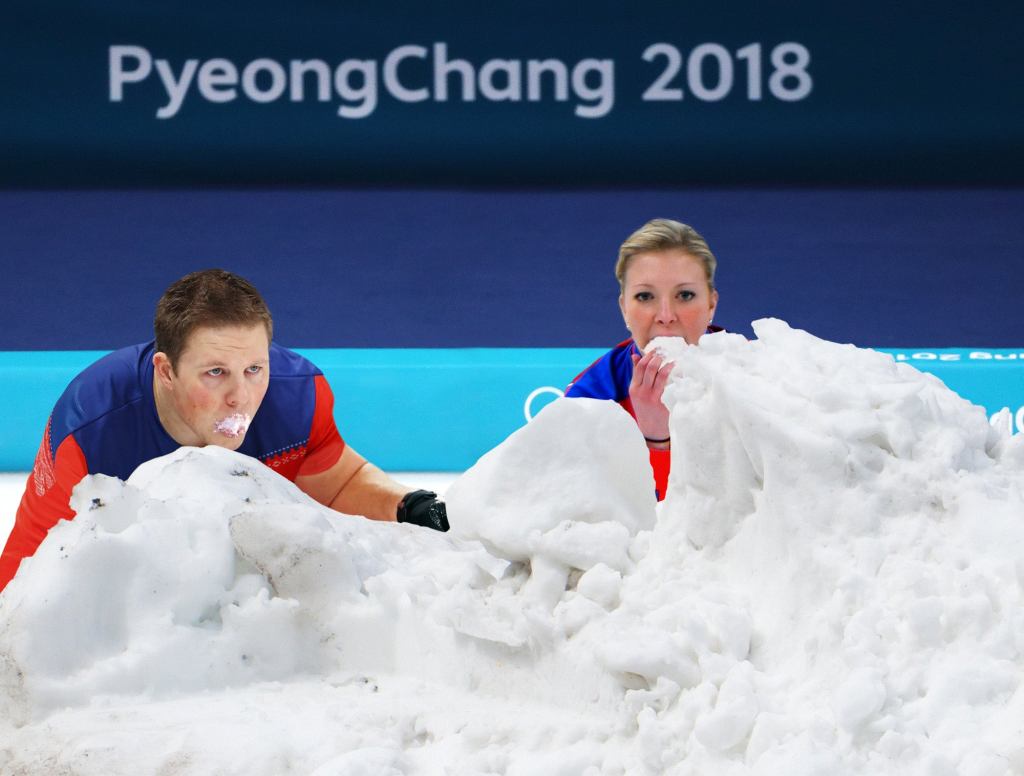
355,486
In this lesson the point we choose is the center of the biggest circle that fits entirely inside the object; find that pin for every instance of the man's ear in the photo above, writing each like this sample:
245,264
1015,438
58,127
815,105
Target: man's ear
162,368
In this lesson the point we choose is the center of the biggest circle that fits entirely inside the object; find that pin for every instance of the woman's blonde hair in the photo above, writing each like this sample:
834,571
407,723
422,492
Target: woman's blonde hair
663,234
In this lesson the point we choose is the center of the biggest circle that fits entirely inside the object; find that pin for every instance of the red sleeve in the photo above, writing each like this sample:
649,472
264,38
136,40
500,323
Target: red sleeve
46,500
325,443
661,462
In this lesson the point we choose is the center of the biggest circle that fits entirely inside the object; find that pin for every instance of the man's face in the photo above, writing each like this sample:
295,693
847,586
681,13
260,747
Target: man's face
220,380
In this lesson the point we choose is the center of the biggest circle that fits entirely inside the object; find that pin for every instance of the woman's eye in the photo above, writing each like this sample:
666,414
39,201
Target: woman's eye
644,296
686,296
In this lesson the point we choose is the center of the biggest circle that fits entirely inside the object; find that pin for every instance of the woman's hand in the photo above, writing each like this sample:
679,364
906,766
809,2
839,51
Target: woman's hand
650,375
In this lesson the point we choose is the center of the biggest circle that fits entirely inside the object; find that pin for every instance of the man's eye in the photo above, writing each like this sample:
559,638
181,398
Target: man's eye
215,372
255,369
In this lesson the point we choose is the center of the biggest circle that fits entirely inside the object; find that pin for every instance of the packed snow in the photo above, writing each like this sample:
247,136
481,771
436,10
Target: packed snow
833,585
233,425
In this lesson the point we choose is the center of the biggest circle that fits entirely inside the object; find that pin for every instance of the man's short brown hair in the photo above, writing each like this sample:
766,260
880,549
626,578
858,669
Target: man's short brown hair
210,297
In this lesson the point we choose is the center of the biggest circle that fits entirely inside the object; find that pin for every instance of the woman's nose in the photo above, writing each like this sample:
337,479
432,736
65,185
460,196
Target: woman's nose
665,312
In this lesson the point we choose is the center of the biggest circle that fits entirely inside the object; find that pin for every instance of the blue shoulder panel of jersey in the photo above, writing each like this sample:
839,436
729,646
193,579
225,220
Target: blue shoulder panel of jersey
285,417
606,378
108,398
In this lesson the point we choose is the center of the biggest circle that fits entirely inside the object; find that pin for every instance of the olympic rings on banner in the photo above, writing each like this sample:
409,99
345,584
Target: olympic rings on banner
528,404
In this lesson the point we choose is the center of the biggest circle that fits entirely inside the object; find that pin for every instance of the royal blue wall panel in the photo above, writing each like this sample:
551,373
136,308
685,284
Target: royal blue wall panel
512,268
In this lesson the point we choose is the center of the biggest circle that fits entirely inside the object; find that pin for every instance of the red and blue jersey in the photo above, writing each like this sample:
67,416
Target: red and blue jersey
106,422
609,378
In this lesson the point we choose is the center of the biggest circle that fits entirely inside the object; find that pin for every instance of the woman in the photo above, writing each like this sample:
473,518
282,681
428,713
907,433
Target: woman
666,275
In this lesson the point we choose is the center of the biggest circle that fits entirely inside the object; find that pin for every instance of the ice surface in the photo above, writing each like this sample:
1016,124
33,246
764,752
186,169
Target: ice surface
833,585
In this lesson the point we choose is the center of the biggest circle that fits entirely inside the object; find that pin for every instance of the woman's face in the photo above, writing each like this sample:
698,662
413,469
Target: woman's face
666,294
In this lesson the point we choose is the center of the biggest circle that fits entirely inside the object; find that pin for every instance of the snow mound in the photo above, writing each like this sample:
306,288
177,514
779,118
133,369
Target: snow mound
833,584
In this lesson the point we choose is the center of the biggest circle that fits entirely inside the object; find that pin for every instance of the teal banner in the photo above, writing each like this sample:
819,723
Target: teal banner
440,409
649,92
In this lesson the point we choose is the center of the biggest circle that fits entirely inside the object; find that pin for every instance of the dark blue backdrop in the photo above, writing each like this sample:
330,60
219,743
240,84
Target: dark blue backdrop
525,268
835,96
896,93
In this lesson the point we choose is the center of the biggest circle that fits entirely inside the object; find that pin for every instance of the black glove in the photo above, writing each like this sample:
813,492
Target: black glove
421,507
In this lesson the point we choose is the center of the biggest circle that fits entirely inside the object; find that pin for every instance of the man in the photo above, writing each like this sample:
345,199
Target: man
211,377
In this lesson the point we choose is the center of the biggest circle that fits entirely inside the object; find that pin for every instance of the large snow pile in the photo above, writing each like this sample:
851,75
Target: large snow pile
833,585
